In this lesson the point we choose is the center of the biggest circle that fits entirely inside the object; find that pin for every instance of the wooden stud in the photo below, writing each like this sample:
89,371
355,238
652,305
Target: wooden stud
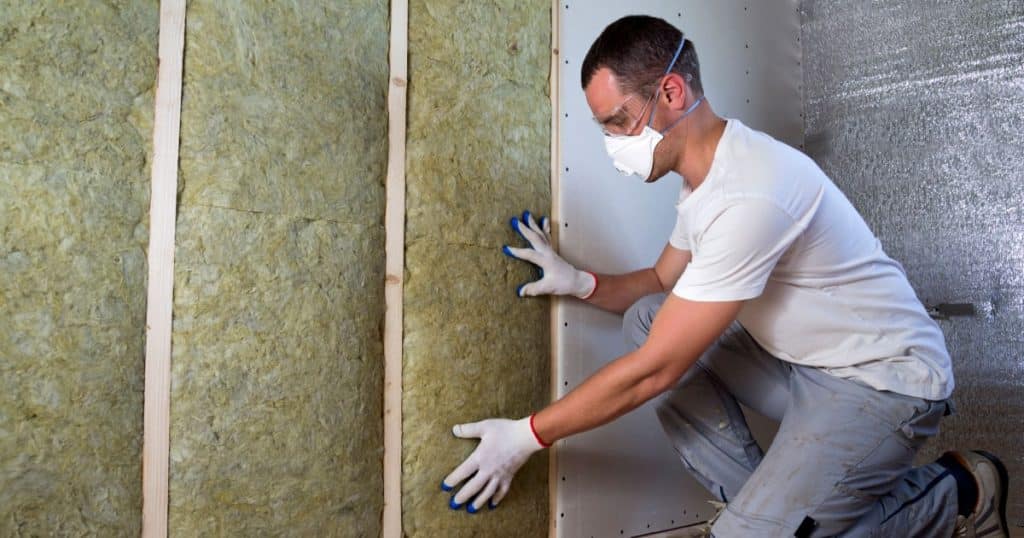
394,226
159,295
553,482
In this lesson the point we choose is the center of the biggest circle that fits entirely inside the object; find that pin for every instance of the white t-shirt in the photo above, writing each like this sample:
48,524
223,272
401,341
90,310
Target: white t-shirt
768,226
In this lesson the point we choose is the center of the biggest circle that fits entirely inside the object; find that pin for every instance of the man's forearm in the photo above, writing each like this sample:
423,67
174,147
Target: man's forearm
613,391
616,293
681,332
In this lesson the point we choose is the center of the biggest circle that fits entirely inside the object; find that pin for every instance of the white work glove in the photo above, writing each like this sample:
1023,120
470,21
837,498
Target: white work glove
557,277
504,446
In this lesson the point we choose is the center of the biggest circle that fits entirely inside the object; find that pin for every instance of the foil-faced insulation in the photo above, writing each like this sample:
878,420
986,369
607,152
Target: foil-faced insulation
277,368
75,124
916,110
478,152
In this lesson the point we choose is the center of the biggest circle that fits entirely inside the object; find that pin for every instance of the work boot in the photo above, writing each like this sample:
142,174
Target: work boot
988,519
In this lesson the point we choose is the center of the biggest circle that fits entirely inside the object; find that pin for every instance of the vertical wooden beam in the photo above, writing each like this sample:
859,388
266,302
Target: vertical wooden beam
159,296
394,226
555,229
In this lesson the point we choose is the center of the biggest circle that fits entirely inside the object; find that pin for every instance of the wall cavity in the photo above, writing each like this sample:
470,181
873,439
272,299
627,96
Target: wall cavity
478,153
916,112
276,419
75,123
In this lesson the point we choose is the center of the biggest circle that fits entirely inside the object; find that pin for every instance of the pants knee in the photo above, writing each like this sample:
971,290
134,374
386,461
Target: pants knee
675,408
636,322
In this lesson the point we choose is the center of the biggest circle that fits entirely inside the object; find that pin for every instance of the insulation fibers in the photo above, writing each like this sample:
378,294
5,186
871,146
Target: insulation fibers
75,120
478,153
916,111
276,426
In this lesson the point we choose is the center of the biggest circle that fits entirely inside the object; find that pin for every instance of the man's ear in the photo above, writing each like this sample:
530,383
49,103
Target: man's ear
674,90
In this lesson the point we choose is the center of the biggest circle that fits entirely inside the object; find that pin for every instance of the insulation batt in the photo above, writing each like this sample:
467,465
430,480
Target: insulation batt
75,123
276,420
916,110
478,152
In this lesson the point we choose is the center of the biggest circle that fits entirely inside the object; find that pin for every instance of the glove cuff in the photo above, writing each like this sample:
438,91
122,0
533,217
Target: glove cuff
533,430
588,284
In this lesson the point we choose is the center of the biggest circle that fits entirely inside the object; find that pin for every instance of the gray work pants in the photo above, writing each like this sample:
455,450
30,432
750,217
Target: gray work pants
843,455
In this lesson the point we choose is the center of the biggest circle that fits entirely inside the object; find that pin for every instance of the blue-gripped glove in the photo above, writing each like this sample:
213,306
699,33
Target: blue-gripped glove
504,446
558,277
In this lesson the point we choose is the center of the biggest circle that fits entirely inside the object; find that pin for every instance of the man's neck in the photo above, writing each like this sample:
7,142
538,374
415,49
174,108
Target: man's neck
702,133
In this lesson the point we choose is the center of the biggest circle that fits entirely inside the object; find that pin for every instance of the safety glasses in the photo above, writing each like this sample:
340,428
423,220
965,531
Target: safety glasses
622,122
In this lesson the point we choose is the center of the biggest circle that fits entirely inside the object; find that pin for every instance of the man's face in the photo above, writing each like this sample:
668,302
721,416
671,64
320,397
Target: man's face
615,113
622,114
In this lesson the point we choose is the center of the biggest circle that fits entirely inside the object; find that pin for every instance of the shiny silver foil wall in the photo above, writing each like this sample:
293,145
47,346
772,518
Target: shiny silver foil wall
916,110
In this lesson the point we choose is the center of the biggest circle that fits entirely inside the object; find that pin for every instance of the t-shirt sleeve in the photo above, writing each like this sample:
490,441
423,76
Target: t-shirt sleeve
678,238
737,252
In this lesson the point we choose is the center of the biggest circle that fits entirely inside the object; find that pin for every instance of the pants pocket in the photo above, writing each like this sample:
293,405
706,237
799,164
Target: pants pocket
880,470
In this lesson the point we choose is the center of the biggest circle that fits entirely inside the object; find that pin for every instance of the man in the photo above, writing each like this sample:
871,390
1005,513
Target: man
781,299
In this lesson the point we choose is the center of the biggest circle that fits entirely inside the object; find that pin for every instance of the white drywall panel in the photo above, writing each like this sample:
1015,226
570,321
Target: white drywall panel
624,479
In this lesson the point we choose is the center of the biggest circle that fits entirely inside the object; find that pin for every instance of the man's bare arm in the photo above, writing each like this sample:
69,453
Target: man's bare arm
681,332
616,293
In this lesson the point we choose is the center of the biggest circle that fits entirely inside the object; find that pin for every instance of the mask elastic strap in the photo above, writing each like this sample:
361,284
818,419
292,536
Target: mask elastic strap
676,56
685,114
679,50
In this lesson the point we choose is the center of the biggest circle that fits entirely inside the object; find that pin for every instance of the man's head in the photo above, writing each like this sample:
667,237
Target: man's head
637,49
636,74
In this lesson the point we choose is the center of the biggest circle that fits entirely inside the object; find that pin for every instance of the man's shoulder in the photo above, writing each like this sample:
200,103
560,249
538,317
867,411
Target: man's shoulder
751,149
760,166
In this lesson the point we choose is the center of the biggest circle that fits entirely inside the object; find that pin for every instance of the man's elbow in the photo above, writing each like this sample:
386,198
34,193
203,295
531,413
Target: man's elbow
656,372
664,284
658,382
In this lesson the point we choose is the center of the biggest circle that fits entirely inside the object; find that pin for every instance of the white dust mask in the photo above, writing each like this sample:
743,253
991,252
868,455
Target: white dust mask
635,154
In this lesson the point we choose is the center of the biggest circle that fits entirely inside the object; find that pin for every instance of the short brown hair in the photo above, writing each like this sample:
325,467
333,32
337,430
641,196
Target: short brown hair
638,49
